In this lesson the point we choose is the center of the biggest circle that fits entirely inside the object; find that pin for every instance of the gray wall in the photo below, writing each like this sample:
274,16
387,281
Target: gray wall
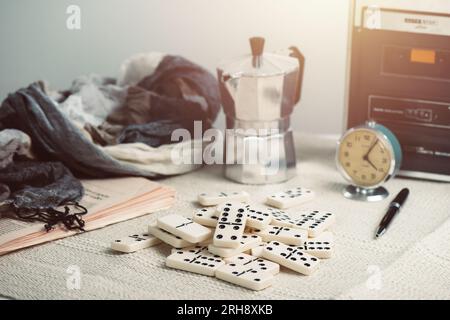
35,43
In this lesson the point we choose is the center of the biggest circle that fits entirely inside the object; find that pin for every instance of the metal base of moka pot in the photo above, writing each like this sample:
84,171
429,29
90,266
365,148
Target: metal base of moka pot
259,159
259,92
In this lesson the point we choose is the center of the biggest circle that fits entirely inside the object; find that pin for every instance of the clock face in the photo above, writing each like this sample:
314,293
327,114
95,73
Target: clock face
364,157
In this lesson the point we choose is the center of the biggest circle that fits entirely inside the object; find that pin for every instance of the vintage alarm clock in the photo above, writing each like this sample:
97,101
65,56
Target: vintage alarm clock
368,156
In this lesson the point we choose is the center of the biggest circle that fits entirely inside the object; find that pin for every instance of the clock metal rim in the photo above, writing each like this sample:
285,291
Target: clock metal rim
381,136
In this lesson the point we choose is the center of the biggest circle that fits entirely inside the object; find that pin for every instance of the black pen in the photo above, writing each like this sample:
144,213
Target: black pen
394,208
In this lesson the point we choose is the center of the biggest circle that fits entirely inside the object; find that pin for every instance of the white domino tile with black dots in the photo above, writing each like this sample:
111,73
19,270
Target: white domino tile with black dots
207,217
202,263
290,198
291,257
255,263
321,246
245,276
167,237
134,242
281,218
258,217
315,222
215,198
248,242
185,228
231,225
283,234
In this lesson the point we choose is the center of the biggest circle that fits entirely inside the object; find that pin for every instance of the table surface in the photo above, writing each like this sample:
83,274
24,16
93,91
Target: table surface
412,260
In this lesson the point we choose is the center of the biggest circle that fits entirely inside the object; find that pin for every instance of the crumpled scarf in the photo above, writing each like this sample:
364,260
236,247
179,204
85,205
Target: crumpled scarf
55,138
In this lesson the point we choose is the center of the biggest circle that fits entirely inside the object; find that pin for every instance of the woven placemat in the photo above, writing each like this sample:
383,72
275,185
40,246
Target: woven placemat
411,261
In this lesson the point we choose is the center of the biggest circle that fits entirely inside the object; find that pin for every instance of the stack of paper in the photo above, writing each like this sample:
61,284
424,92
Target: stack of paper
108,201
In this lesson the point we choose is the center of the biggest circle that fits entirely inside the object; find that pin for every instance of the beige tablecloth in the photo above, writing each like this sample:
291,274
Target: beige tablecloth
411,261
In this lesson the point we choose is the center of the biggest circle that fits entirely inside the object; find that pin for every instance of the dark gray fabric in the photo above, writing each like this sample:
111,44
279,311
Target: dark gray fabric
153,134
40,185
178,91
175,95
45,192
171,73
55,137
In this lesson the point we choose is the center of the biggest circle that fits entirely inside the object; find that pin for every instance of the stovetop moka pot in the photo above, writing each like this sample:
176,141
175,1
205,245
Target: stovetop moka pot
259,92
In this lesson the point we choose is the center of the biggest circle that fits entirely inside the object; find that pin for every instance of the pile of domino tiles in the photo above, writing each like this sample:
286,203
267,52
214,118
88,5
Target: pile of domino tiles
242,243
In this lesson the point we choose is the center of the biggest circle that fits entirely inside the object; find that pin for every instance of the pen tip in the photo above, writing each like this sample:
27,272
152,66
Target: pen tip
379,233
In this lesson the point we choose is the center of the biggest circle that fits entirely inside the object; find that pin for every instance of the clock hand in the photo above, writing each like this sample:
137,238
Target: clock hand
366,156
370,162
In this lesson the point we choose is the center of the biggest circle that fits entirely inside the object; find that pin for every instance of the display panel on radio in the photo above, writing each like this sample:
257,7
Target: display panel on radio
417,62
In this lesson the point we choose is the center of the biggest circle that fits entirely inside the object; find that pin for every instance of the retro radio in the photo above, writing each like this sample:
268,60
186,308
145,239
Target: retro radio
400,77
